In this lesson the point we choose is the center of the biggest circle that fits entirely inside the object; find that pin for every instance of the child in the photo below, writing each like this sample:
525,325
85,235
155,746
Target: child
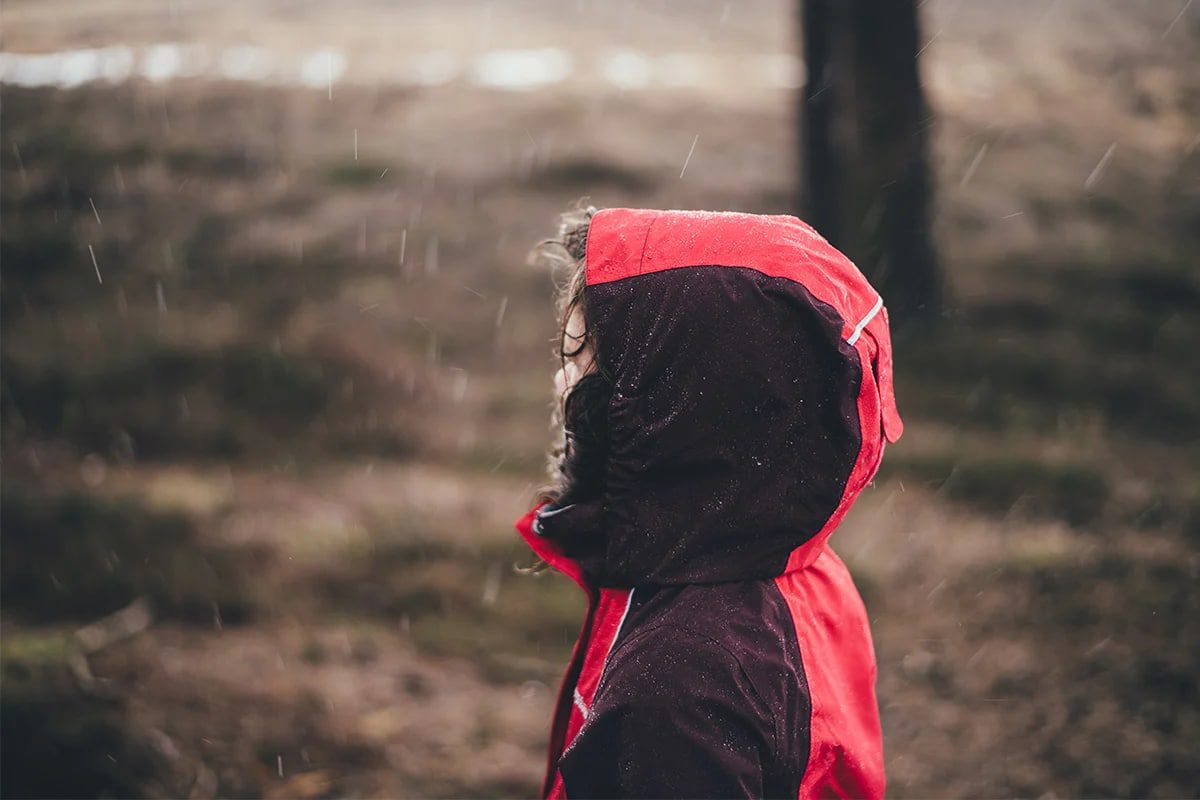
726,394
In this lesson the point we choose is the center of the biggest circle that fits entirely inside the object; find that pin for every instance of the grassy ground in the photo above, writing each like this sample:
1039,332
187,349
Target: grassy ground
301,392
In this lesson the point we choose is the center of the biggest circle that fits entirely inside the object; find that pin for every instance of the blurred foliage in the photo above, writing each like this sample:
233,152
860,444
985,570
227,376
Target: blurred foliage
1087,341
354,174
1076,494
146,400
61,741
278,318
460,599
77,557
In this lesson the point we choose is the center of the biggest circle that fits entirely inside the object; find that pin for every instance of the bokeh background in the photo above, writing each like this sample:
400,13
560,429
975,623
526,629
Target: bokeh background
276,382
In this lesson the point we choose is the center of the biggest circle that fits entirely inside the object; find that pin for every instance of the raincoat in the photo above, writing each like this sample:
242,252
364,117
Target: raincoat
725,651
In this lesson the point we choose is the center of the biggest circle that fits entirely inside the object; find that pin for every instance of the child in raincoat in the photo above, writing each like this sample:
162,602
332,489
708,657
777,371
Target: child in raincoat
726,389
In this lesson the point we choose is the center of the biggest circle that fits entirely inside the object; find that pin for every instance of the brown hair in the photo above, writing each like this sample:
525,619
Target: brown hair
579,419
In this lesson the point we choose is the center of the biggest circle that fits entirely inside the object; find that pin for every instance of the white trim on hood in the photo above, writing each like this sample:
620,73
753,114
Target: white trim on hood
858,329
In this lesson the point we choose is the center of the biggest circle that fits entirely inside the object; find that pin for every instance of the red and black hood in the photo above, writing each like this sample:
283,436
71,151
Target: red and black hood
752,396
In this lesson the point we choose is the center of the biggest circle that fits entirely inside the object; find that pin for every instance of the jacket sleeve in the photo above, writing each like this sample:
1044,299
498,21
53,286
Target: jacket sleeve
675,716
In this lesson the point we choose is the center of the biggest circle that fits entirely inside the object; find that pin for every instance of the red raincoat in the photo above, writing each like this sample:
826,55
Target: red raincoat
725,650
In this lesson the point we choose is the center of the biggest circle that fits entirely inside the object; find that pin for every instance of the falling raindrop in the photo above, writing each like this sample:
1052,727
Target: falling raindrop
1178,17
1095,175
970,173
95,264
687,160
20,165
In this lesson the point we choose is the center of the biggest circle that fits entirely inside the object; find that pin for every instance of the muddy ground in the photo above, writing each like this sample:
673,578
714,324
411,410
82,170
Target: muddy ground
273,359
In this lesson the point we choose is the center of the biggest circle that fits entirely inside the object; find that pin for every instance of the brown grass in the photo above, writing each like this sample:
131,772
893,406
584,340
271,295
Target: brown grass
295,361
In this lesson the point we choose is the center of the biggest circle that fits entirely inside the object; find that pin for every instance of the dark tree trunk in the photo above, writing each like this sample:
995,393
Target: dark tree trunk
818,146
865,147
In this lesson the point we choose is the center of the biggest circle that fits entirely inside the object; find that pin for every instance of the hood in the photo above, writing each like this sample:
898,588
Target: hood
752,399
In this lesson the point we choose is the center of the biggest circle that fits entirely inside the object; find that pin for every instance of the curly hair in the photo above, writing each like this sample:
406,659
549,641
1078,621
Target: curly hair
579,418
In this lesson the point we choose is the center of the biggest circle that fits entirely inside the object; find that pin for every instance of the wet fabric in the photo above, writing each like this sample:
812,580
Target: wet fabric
725,651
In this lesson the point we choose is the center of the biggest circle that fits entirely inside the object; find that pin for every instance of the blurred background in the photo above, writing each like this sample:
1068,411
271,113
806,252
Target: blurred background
275,373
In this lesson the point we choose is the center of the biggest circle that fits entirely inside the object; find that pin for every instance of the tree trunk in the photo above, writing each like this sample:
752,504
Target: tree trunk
865,147
818,146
